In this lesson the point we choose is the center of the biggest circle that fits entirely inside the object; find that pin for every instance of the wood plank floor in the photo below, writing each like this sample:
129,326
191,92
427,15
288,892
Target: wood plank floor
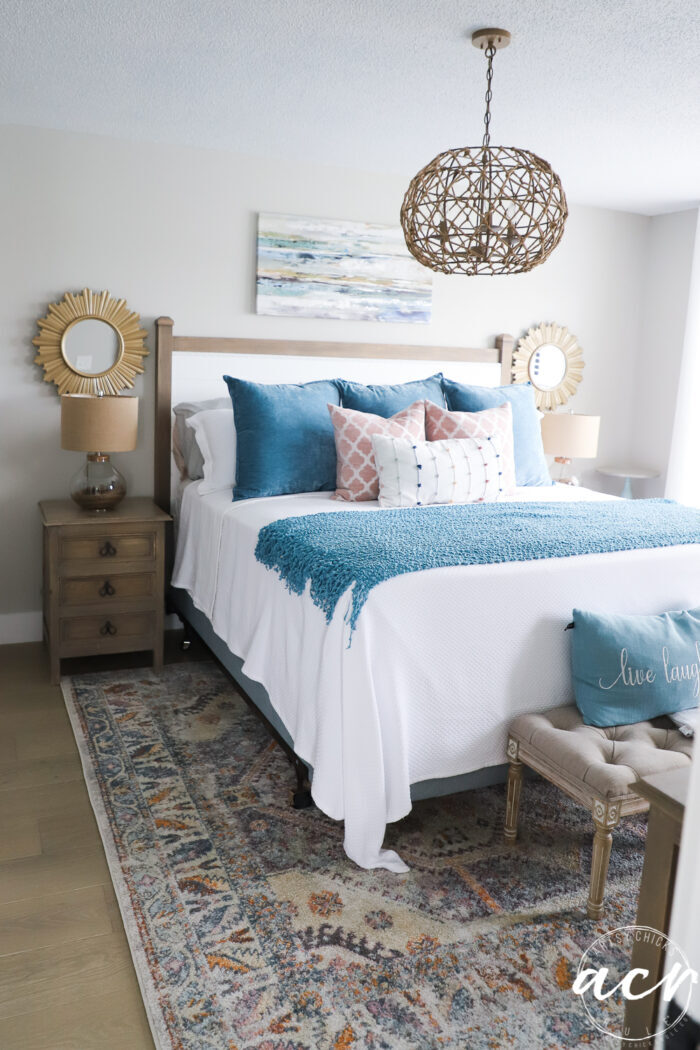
66,977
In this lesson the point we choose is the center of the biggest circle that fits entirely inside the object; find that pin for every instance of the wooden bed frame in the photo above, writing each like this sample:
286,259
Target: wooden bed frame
179,601
168,344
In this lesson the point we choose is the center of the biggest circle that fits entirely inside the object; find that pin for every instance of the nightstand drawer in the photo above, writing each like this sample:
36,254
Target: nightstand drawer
110,547
105,590
104,629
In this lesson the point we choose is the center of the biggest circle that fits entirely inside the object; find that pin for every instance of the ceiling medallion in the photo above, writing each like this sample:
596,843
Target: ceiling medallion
484,209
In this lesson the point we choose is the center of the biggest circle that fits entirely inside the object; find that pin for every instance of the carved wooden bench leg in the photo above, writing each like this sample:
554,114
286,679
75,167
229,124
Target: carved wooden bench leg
606,817
515,779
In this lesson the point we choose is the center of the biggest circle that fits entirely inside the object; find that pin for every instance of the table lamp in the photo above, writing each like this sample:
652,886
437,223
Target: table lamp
98,425
568,436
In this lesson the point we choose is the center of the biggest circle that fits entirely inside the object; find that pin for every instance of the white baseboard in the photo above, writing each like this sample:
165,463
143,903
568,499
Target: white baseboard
20,627
27,627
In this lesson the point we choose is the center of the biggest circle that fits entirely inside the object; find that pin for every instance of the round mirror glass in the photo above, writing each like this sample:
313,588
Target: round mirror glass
91,346
547,367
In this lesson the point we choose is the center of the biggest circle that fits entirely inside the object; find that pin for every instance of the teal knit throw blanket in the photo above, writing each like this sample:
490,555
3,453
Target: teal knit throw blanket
359,549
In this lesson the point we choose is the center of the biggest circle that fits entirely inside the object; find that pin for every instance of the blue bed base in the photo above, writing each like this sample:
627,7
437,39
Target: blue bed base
182,604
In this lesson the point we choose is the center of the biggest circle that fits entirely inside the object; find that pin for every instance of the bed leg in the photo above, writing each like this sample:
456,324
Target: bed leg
301,798
187,630
187,636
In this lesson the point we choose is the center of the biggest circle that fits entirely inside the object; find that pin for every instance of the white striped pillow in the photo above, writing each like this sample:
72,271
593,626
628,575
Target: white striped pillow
459,470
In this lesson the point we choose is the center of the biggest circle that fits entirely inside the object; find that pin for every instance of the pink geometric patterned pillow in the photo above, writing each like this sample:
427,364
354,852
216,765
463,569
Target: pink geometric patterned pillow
441,425
356,476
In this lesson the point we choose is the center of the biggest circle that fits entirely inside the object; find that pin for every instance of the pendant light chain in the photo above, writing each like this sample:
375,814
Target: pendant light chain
490,52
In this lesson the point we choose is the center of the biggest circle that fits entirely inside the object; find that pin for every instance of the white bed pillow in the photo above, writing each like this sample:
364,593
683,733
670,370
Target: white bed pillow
458,470
186,451
216,437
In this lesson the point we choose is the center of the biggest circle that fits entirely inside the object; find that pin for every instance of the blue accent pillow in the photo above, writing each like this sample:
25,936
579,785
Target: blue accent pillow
387,400
530,464
630,668
284,437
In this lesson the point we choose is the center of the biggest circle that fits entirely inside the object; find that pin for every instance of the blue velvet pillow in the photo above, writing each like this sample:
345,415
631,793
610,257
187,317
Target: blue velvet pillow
388,400
630,668
530,464
284,437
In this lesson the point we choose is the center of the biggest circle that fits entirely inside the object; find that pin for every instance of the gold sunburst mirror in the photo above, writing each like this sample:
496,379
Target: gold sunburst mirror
90,343
549,358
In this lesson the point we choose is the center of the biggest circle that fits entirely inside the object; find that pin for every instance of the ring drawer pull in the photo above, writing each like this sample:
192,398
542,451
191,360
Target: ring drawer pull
108,628
106,590
107,550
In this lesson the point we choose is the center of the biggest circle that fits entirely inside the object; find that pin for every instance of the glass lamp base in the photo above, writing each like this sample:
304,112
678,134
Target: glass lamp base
565,477
98,485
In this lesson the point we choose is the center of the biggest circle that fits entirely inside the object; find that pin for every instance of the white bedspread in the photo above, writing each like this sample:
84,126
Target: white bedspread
440,663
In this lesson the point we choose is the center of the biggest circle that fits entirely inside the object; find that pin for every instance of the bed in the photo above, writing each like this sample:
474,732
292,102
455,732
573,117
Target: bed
441,660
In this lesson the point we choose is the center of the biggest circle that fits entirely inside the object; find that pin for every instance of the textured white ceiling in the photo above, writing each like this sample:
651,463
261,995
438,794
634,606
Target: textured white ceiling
607,90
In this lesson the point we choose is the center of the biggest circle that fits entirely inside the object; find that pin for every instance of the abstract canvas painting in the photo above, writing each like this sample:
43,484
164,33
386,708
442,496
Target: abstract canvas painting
354,271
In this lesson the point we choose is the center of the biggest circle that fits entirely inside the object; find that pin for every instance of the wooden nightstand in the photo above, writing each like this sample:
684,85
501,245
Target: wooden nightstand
104,577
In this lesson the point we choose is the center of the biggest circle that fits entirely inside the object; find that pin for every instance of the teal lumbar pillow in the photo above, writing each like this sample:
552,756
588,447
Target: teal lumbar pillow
631,668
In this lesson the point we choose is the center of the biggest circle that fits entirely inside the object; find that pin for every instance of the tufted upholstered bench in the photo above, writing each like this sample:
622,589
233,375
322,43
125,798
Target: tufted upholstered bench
595,767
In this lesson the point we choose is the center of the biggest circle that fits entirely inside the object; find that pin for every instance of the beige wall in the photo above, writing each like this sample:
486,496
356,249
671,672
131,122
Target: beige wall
172,231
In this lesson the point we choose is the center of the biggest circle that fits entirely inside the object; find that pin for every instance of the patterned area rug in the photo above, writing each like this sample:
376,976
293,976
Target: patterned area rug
250,928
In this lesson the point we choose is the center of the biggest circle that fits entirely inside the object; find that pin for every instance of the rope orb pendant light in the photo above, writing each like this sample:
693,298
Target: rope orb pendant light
484,209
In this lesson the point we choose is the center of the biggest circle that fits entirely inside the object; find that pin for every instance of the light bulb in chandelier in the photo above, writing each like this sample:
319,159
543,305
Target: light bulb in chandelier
484,209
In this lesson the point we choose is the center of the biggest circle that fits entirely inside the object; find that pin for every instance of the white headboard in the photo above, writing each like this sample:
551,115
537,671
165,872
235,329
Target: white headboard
196,377
191,369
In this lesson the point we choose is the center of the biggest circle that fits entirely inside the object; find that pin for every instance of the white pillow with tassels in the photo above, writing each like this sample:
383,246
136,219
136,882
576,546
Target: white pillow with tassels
458,470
